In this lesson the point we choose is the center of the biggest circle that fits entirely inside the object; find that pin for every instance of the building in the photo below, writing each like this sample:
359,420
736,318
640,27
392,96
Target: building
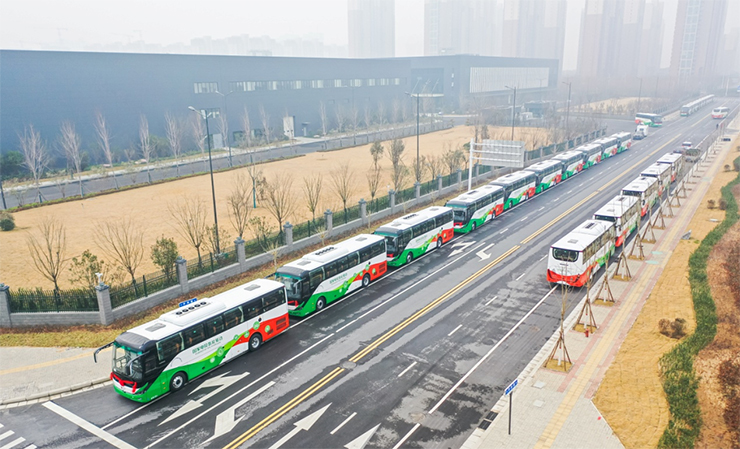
44,88
534,29
697,39
455,27
651,47
372,28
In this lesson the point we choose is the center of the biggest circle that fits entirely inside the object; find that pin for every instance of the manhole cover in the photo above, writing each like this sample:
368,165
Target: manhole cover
349,365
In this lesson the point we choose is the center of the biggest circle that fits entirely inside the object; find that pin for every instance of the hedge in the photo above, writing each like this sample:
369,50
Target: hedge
680,382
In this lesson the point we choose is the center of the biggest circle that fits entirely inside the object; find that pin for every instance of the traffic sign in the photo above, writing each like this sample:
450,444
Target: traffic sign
511,387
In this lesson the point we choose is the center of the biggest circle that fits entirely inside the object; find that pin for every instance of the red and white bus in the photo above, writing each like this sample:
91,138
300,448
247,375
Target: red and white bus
573,259
644,188
720,112
592,154
676,161
572,161
662,172
624,212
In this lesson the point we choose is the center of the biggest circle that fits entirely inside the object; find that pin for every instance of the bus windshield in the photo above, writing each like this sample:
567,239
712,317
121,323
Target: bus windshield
566,255
460,215
292,285
390,244
127,363
605,218
632,193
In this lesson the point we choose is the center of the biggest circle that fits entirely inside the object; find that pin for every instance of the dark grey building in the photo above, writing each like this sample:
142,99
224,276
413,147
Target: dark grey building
45,88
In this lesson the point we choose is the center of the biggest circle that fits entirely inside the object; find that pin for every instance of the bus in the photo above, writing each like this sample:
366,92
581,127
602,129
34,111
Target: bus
609,146
675,160
162,355
720,112
663,174
549,173
320,278
690,108
573,259
476,207
624,212
651,120
572,162
592,154
518,187
415,234
624,141
644,188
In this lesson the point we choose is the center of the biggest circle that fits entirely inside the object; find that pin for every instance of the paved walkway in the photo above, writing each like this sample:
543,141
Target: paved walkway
553,409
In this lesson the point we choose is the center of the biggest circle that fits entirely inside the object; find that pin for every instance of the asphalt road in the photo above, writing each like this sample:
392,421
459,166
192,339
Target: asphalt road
414,360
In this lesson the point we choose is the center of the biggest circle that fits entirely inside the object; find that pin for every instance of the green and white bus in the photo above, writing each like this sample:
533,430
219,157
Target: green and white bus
548,173
609,146
322,277
644,188
592,154
164,354
624,212
662,172
518,187
651,120
572,162
624,140
476,207
413,235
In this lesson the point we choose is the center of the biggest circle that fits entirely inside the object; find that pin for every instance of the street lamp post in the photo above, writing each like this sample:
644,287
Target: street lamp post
412,95
513,111
567,111
226,117
639,96
204,115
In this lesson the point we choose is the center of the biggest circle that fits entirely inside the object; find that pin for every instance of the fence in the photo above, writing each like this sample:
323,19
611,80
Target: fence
38,300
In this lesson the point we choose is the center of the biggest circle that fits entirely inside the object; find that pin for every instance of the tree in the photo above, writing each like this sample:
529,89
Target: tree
145,143
354,117
376,151
265,124
435,165
189,216
48,251
238,201
373,181
103,134
368,118
398,169
342,178
381,115
70,142
262,231
173,131
279,199
83,271
35,157
223,128
122,241
214,239
339,112
11,164
420,166
164,255
247,136
324,118
453,159
312,185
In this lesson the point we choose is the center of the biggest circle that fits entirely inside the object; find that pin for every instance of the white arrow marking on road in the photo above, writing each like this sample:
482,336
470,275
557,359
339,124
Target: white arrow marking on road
482,253
361,441
464,246
303,424
225,421
223,381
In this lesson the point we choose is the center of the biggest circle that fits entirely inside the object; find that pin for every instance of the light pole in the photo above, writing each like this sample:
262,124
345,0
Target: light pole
412,95
226,117
639,96
204,115
513,111
567,110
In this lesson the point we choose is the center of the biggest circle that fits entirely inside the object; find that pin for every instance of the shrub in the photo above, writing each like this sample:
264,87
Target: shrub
710,204
7,222
736,163
722,204
672,329
164,255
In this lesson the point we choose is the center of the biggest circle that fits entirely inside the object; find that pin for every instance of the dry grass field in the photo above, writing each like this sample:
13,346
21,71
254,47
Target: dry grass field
148,206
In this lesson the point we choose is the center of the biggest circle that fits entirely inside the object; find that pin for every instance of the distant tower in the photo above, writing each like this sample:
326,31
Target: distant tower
534,29
697,38
462,27
372,28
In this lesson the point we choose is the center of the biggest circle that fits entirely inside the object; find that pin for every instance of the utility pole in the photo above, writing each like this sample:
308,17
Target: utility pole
639,96
567,111
513,111
204,115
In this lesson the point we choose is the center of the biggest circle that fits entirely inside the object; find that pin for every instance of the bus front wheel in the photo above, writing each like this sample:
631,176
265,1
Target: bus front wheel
409,257
473,226
178,381
320,303
255,341
366,280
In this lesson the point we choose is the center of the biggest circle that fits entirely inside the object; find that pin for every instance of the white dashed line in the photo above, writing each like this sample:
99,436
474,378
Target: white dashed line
407,368
491,300
344,422
454,330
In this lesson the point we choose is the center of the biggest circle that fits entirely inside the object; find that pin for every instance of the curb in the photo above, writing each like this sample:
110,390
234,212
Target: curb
53,394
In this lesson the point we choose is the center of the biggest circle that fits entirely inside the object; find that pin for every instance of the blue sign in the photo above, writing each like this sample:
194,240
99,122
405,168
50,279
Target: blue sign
189,301
511,387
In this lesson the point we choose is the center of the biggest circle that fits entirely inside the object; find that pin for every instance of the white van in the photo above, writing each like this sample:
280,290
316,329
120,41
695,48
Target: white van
641,132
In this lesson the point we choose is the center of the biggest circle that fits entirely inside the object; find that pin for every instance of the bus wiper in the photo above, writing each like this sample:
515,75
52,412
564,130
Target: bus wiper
95,355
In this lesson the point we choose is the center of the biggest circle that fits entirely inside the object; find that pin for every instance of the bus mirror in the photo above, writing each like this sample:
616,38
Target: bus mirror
95,354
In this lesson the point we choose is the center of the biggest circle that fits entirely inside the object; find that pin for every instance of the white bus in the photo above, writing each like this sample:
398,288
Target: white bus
572,162
476,207
592,154
414,235
549,173
644,188
609,146
624,212
518,187
164,354
573,259
662,172
720,112
675,160
624,141
323,276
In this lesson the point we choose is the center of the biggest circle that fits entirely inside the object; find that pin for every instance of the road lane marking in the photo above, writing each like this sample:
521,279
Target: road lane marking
491,300
541,208
345,422
543,258
406,437
6,435
93,429
13,443
454,330
525,218
521,276
407,368
504,230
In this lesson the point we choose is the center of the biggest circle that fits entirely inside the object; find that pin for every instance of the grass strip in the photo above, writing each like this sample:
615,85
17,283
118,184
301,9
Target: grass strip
680,382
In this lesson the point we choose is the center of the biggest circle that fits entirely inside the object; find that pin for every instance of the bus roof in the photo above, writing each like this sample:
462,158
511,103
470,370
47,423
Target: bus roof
617,206
589,148
176,320
622,135
582,236
721,109
544,165
406,222
568,155
329,253
474,195
640,184
511,178
669,158
646,114
656,170
603,140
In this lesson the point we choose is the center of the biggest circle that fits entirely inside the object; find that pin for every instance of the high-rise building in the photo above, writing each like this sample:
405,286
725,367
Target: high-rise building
697,38
372,28
534,29
651,44
462,27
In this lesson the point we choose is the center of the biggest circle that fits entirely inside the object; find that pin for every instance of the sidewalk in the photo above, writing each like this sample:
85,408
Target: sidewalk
552,409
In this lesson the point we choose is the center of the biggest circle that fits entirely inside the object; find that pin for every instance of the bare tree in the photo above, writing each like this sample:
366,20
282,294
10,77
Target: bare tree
70,142
399,171
265,125
382,119
453,159
420,167
324,118
368,118
373,181
405,111
48,251
354,118
238,201
396,110
190,221
247,139
339,112
376,151
173,130
279,199
484,132
145,143
223,128
103,133
122,241
435,165
35,157
342,179
262,231
312,185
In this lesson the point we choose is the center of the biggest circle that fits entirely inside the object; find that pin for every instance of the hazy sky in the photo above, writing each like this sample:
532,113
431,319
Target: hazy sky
42,24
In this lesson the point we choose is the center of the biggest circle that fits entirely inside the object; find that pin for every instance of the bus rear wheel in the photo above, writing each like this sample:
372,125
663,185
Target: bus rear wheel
439,241
320,303
178,381
255,341
409,257
365,280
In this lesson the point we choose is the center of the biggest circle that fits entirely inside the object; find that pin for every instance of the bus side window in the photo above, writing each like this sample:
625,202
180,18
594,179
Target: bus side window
194,335
343,264
168,348
215,325
317,277
232,318
378,248
252,309
272,300
353,259
365,254
418,230
331,269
